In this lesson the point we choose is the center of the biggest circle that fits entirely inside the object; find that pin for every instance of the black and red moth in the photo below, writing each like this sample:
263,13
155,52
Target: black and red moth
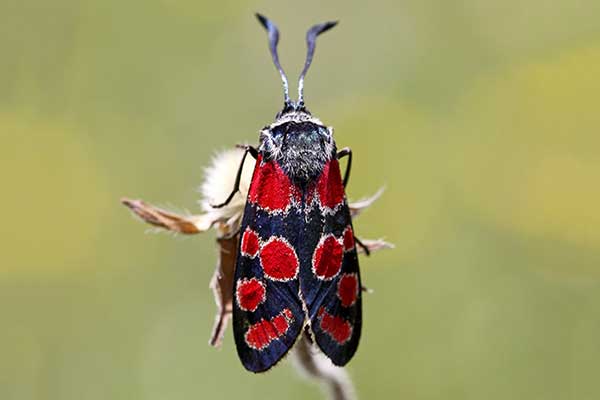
297,264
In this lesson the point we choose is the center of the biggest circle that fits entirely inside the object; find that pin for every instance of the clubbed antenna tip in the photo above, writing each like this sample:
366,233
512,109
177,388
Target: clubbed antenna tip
273,32
311,43
263,20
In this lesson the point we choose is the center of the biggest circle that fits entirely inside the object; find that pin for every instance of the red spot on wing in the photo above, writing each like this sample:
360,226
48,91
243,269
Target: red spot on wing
288,313
348,239
262,333
250,243
347,290
327,259
279,260
281,324
270,188
250,293
336,327
330,186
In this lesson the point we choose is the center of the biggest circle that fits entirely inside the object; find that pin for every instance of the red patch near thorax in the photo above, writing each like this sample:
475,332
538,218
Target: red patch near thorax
262,333
337,328
270,188
330,186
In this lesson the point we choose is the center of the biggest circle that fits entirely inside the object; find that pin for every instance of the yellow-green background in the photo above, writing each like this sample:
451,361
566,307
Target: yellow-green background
481,118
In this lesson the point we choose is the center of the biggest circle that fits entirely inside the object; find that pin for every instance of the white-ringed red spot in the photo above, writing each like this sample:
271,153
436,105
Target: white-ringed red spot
348,236
279,260
328,256
250,243
336,327
250,293
288,314
347,289
261,334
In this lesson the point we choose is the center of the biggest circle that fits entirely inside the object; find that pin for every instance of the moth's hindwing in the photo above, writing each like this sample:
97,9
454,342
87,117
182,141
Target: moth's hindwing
332,285
267,313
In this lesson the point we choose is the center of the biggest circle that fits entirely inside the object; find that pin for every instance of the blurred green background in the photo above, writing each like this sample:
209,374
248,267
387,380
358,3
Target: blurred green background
480,117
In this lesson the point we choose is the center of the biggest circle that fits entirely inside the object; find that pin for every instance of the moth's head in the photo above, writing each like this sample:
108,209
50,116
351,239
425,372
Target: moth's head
297,131
293,110
300,143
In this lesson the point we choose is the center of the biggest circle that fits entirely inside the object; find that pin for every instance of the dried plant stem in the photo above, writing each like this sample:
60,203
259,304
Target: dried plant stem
312,363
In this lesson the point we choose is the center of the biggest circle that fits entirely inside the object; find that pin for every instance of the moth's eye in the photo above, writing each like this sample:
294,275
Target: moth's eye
277,133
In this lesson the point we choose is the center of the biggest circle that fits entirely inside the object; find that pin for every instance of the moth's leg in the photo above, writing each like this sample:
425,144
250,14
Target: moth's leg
363,246
250,149
236,186
366,289
346,151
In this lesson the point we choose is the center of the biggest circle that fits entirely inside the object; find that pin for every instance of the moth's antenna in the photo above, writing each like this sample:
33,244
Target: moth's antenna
273,40
311,42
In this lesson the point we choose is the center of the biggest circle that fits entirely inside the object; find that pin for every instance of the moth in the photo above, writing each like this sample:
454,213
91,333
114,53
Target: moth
297,264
